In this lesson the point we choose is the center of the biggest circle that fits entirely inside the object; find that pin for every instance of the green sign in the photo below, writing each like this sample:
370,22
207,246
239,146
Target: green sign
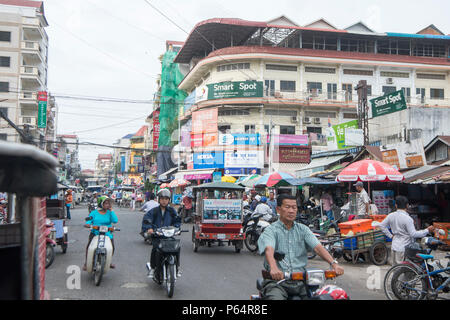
389,103
336,135
42,114
235,89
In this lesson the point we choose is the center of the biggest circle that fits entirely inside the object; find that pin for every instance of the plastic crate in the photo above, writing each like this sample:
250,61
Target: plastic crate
355,226
378,217
351,243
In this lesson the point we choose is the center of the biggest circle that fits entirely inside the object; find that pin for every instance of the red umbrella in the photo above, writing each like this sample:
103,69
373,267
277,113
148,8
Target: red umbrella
369,170
274,178
164,185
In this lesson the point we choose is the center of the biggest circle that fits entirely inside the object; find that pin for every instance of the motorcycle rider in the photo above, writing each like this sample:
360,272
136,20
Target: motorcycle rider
294,239
264,209
160,216
103,216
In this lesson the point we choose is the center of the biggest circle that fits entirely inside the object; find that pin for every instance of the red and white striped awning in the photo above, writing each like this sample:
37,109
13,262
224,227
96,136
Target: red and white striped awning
369,170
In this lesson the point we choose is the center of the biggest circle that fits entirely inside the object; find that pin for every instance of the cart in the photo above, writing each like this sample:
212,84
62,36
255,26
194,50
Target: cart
55,211
218,216
370,244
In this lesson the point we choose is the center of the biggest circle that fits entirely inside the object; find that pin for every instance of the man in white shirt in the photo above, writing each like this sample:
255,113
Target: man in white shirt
403,230
362,200
264,209
150,204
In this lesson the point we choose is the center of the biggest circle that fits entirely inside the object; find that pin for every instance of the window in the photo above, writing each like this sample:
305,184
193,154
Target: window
280,67
4,111
287,86
436,93
357,45
250,128
394,74
4,86
224,129
421,92
314,88
287,129
320,70
407,94
347,88
266,128
5,61
314,130
319,114
234,66
286,113
3,136
5,36
269,87
431,76
358,72
332,91
234,112
388,89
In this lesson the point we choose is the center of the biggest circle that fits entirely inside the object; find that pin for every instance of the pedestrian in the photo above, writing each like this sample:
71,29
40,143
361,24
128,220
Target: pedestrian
327,202
69,200
272,202
255,202
362,200
133,200
187,204
402,231
244,200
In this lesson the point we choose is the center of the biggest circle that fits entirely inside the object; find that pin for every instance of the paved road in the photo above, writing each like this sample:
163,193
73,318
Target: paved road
210,274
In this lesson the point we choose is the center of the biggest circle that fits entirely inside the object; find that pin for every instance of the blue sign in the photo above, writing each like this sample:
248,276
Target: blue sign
122,164
252,139
217,176
241,171
177,198
208,160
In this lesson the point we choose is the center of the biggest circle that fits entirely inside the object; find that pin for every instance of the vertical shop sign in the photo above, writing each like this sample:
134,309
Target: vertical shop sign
42,109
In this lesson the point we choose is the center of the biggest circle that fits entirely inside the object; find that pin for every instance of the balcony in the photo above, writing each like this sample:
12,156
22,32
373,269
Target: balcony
31,76
312,97
33,52
31,121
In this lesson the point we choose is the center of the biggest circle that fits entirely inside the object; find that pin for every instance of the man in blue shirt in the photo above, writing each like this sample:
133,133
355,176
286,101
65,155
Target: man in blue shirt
272,202
161,216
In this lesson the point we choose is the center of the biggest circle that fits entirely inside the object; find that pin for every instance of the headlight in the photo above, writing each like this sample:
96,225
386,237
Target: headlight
315,277
169,233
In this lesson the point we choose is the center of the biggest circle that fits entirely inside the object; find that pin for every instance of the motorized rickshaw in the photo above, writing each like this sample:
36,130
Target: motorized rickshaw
218,215
27,174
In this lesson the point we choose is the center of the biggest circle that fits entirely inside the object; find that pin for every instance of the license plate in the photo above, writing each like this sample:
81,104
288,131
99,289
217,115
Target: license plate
66,229
221,236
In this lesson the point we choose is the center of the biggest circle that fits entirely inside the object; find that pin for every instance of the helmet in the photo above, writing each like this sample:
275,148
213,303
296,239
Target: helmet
333,291
258,197
164,193
101,200
263,199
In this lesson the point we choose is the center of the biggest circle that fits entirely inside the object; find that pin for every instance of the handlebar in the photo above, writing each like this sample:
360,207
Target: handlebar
300,276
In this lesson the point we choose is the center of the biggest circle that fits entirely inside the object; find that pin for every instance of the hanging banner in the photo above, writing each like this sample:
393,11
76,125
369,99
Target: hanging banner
155,130
389,103
204,121
289,139
294,154
235,89
336,135
42,109
239,139
208,160
244,159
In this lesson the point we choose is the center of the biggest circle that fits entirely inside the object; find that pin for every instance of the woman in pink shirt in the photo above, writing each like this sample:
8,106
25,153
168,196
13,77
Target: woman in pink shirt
327,202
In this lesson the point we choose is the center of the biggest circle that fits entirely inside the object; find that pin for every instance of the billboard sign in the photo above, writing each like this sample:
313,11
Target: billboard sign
239,139
389,103
294,154
244,159
235,89
204,121
289,139
208,160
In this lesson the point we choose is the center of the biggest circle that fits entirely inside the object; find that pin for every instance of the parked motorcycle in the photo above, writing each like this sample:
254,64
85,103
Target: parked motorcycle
100,252
62,231
49,244
253,226
169,250
314,280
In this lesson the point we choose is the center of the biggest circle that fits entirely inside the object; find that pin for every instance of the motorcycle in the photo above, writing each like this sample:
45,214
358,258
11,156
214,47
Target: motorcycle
253,226
49,244
100,252
313,279
92,205
59,229
169,250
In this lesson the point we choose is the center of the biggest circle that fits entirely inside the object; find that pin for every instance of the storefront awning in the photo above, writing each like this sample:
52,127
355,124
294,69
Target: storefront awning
194,174
166,174
318,164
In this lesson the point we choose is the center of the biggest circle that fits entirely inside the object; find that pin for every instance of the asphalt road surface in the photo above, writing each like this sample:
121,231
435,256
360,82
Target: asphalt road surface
213,273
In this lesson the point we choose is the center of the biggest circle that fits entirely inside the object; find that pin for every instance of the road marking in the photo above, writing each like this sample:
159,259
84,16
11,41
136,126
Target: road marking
131,285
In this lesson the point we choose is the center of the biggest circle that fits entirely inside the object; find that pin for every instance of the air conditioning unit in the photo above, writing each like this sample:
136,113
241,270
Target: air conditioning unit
307,120
317,120
389,81
27,120
294,119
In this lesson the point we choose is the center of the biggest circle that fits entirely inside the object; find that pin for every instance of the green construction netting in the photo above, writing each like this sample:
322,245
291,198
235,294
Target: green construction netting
171,99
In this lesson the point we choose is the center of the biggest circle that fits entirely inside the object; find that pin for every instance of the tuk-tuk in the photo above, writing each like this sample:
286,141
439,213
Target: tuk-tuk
218,215
27,174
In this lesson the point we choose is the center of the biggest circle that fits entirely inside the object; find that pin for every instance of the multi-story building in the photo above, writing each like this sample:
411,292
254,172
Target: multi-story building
23,65
283,78
104,170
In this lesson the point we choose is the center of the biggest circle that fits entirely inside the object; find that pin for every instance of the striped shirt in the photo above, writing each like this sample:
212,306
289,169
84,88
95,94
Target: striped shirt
295,243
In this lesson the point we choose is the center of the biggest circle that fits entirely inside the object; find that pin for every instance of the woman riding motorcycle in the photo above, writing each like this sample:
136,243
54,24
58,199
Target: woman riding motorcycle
103,216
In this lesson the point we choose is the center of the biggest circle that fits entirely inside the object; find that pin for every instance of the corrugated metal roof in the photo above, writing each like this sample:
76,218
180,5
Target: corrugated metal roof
319,162
427,174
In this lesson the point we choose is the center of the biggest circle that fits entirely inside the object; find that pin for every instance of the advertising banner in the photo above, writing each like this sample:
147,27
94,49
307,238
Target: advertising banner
354,137
241,171
217,176
204,121
289,139
189,101
336,135
201,94
208,160
240,139
389,103
294,154
235,89
155,130
244,159
204,140
405,155
218,210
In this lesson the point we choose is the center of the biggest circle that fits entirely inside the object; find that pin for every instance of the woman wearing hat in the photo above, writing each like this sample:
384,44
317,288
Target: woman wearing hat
103,216
69,200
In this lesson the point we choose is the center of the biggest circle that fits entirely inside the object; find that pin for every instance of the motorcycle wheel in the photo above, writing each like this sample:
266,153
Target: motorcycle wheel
99,269
170,282
49,255
251,241
64,245
405,284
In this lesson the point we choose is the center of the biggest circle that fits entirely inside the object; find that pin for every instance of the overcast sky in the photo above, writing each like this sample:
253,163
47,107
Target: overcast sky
110,48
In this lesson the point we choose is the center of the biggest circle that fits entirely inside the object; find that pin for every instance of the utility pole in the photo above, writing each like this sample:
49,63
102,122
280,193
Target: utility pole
363,112
25,135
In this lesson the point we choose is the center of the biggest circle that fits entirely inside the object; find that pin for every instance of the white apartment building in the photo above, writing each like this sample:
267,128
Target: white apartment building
23,65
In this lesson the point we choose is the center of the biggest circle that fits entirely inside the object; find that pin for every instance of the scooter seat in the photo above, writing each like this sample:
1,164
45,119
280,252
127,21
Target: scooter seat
424,256
259,284
321,232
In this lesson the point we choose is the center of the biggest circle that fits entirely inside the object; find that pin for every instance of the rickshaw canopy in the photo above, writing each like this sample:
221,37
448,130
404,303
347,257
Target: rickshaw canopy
219,185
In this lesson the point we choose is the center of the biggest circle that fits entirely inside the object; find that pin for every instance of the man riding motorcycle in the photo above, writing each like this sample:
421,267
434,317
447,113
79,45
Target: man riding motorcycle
161,216
294,239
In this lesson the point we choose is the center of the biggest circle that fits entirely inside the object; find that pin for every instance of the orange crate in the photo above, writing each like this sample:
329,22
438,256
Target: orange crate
356,226
378,217
446,227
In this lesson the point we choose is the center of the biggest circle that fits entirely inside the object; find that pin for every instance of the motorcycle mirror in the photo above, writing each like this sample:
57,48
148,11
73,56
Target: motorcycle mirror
279,255
88,218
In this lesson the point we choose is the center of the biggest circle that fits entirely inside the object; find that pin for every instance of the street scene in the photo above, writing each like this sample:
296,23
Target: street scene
202,150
